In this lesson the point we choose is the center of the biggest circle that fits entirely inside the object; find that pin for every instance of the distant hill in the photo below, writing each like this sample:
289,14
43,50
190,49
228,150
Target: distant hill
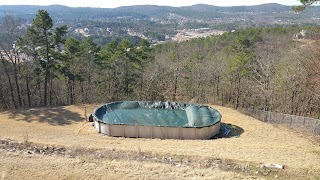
159,23
142,11
268,8
146,10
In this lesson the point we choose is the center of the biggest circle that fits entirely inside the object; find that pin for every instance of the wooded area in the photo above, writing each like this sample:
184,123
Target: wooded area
262,68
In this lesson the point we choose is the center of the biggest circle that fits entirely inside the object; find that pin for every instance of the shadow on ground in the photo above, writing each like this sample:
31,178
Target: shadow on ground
54,115
229,131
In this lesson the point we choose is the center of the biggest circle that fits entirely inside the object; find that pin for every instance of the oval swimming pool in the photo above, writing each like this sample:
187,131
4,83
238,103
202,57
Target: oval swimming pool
164,120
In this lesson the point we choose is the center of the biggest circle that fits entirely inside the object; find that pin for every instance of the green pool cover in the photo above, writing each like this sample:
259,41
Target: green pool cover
166,114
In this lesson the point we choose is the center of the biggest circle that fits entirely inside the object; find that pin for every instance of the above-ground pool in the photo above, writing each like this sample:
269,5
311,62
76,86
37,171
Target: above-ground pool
164,120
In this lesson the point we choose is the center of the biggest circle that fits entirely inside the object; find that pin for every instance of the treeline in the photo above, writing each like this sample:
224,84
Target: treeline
42,67
253,68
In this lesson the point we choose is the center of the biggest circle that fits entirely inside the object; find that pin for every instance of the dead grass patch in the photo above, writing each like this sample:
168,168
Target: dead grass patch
259,143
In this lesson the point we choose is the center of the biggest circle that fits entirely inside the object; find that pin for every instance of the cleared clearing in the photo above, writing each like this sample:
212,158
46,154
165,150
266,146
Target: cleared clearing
257,144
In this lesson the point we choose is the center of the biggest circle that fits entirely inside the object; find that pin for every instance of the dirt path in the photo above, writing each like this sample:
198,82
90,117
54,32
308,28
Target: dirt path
259,143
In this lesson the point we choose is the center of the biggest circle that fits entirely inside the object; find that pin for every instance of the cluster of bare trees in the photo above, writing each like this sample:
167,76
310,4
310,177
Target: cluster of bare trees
257,68
260,68
10,62
28,61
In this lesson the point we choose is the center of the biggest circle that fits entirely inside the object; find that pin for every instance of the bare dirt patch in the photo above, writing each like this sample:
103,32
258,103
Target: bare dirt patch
97,156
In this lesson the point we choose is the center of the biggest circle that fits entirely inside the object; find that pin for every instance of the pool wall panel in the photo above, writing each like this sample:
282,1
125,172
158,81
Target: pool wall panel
97,126
157,132
130,131
145,131
104,129
173,133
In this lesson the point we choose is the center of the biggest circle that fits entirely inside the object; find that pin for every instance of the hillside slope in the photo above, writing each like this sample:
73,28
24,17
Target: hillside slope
257,143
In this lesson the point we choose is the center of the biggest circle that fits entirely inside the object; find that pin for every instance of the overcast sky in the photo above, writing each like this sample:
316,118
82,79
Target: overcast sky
117,3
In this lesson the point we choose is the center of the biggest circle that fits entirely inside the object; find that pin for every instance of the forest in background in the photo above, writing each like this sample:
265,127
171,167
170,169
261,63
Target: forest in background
263,68
161,23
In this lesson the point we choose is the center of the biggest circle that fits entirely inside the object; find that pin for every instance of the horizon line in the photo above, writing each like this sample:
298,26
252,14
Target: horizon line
139,5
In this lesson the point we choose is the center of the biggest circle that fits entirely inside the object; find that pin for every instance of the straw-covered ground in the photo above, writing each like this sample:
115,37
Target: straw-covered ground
56,143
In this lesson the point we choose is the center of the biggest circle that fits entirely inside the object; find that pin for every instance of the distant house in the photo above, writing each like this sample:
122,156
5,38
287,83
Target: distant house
86,30
304,34
13,56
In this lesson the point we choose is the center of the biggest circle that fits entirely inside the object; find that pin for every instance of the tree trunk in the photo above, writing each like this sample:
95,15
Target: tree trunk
127,79
3,97
51,89
68,91
88,91
82,92
16,80
175,88
72,92
70,88
47,73
39,89
141,87
28,89
222,97
10,84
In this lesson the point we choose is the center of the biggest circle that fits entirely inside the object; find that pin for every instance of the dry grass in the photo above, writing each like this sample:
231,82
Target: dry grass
64,126
39,166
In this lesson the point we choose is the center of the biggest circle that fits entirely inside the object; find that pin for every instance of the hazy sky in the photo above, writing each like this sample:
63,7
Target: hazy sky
117,3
